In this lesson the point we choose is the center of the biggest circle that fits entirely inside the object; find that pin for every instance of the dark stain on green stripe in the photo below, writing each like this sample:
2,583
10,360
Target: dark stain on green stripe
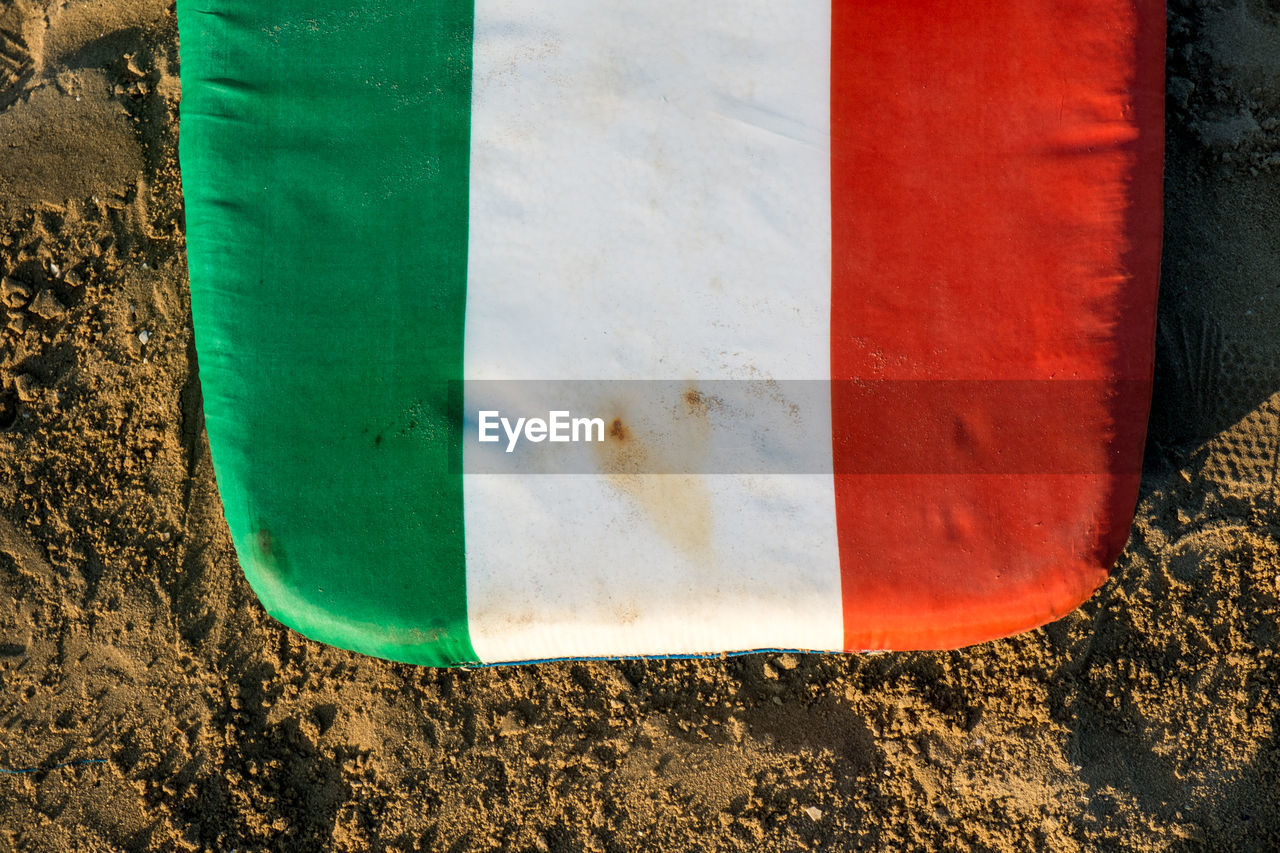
271,554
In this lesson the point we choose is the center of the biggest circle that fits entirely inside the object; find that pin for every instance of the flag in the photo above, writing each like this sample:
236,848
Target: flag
851,303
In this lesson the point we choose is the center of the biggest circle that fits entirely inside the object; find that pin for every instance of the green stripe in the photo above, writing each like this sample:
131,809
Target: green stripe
324,150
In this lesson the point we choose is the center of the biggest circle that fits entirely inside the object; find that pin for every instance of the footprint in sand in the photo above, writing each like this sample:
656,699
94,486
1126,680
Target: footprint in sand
17,65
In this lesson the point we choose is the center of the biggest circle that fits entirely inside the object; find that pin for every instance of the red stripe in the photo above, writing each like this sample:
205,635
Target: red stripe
996,215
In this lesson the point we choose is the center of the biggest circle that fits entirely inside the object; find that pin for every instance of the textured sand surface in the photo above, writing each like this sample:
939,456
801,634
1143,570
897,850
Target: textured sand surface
1147,720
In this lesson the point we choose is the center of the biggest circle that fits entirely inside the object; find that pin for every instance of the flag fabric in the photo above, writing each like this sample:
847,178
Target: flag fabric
918,241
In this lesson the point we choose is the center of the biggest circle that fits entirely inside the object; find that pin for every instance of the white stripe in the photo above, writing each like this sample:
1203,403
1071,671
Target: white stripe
650,200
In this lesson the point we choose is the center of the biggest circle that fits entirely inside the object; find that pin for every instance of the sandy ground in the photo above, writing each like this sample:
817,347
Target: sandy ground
1145,721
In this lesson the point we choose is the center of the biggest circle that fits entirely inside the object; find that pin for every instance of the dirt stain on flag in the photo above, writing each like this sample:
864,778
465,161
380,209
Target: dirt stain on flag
652,472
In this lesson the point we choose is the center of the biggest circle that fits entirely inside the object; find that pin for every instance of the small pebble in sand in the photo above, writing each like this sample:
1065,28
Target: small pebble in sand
144,336
814,813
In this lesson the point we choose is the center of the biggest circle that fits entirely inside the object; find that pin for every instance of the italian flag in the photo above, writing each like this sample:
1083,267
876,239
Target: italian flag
944,215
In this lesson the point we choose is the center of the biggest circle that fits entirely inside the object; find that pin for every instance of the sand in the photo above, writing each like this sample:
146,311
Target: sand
1147,720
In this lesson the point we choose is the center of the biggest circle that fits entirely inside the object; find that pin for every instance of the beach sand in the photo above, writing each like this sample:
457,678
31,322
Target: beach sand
1147,720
